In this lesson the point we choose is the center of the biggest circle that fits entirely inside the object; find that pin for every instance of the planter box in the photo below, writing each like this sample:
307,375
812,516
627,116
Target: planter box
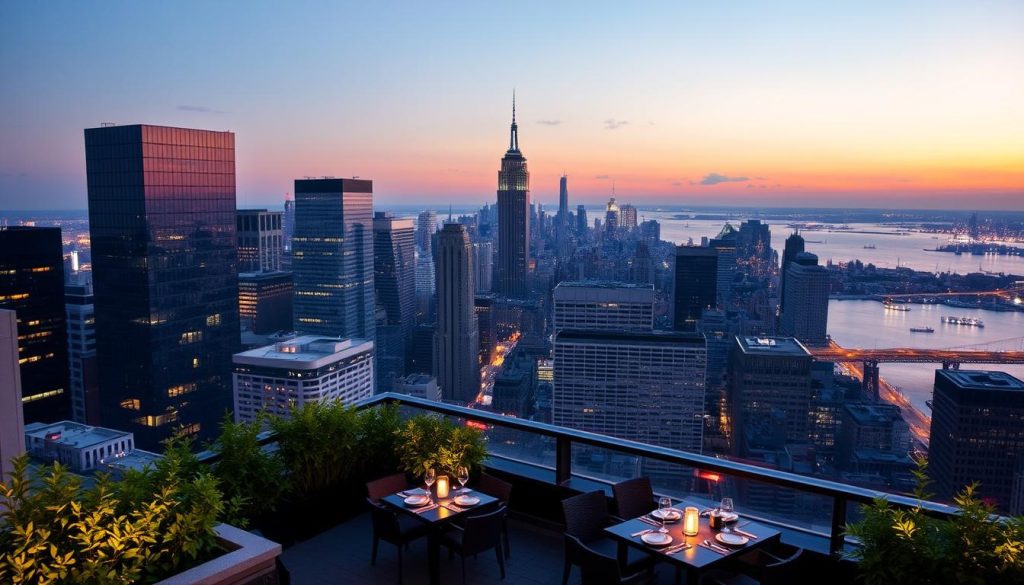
250,560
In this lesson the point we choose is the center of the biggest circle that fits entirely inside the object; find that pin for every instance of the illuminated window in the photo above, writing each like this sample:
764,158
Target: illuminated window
190,337
195,362
213,320
131,404
181,389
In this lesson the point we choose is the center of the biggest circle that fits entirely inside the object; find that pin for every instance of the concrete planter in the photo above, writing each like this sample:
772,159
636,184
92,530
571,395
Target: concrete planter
249,561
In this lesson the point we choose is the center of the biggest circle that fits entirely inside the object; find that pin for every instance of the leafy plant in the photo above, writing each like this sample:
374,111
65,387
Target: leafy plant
430,441
909,546
319,446
378,440
155,523
247,473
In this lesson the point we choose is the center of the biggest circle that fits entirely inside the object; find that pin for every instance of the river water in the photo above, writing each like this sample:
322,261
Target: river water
866,324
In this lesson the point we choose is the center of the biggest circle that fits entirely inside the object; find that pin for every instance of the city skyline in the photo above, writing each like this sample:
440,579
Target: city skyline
868,106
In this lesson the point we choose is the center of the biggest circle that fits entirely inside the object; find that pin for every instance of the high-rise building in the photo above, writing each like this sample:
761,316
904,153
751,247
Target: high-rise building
612,216
483,266
12,421
807,290
486,317
646,387
754,247
288,226
394,266
265,301
977,433
563,214
162,227
425,286
456,340
694,285
874,442
650,231
513,219
724,245
332,258
627,217
426,227
581,221
286,375
81,320
771,389
423,348
794,246
419,385
604,306
260,238
32,285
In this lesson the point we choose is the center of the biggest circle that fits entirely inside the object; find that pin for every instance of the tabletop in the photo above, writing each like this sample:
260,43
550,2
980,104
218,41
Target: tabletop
445,511
695,557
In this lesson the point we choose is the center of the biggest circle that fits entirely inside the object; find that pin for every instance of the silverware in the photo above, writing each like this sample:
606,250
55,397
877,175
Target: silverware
454,508
679,547
744,533
718,549
427,508
647,520
642,532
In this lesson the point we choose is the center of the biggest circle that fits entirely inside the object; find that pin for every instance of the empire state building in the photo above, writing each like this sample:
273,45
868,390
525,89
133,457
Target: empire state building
513,218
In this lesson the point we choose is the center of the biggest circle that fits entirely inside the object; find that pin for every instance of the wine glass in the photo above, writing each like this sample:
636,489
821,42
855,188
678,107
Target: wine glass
462,474
664,506
428,477
726,508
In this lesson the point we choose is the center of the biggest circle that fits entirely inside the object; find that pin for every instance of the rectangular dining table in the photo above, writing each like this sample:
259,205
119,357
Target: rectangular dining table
436,519
696,559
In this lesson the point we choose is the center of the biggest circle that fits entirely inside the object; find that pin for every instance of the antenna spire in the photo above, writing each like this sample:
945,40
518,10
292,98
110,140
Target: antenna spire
513,142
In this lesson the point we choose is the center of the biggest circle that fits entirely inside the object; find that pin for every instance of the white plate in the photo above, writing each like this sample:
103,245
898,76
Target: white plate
731,539
657,538
670,514
416,501
466,500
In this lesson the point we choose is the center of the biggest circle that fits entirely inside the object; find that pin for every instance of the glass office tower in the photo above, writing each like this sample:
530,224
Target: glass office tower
165,278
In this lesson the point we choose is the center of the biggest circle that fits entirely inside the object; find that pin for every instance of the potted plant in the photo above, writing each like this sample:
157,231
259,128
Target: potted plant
973,546
427,442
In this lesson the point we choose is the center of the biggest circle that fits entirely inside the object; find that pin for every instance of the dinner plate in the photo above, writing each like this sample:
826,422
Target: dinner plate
669,515
466,500
731,539
416,501
657,538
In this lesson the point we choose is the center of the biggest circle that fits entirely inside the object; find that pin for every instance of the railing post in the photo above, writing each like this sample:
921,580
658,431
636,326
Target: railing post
837,538
563,459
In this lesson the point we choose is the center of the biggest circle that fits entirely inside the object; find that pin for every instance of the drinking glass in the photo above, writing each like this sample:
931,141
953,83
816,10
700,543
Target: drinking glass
726,505
664,504
462,474
429,478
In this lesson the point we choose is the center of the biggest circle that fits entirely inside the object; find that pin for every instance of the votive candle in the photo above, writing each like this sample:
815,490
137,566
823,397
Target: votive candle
442,486
691,521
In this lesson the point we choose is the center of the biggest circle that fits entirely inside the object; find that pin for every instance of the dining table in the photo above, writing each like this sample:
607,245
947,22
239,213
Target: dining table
437,515
703,552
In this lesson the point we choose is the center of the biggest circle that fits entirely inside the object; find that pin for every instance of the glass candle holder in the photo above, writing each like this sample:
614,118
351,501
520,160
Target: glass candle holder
691,521
442,486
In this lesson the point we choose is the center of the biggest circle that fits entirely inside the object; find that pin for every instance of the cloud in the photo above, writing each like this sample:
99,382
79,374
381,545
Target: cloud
602,177
549,122
202,109
677,183
613,124
715,178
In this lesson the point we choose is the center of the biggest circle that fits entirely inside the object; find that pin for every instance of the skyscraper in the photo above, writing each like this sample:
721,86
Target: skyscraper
32,285
426,227
694,285
425,286
604,306
807,290
563,207
81,320
627,217
394,268
162,225
483,265
260,240
332,257
12,421
794,246
513,218
612,216
456,339
288,225
265,301
977,433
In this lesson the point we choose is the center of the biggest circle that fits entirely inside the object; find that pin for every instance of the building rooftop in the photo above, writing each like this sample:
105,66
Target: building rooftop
772,346
982,380
414,379
611,284
72,434
655,337
136,460
873,414
308,351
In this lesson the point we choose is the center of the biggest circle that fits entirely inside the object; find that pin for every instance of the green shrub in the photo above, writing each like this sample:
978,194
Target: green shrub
378,440
318,445
248,475
427,441
909,546
153,524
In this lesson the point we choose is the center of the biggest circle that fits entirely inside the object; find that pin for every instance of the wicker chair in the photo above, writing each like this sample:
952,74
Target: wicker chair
633,497
586,517
481,532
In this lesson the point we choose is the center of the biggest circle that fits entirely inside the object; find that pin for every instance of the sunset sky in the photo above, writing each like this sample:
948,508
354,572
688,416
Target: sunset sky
838,104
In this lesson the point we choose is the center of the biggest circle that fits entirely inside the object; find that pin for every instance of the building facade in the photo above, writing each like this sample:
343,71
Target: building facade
794,246
260,236
483,266
265,301
426,228
394,266
332,258
279,377
83,381
456,338
12,417
604,306
806,300
32,285
513,219
694,285
162,227
78,446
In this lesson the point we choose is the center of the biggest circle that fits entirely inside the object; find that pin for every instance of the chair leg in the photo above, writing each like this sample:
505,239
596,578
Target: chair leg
504,533
399,547
373,551
501,559
565,572
463,569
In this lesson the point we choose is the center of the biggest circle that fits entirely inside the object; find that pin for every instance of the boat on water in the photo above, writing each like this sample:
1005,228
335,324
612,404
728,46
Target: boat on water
869,247
894,306
922,330
968,321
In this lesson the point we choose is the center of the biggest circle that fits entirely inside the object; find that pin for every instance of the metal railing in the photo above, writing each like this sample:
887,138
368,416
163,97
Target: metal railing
842,494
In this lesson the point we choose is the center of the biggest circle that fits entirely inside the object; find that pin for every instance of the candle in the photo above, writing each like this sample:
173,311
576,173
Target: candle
691,521
442,486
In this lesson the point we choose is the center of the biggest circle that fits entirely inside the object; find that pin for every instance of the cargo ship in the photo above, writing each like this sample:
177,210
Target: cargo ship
922,330
968,321
894,306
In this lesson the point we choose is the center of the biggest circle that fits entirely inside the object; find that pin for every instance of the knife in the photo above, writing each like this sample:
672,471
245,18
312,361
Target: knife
427,508
642,532
715,547
744,533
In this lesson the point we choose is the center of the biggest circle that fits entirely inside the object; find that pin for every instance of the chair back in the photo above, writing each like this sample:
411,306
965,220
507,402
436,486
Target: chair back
385,486
385,522
784,571
633,497
483,531
595,568
498,488
586,516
